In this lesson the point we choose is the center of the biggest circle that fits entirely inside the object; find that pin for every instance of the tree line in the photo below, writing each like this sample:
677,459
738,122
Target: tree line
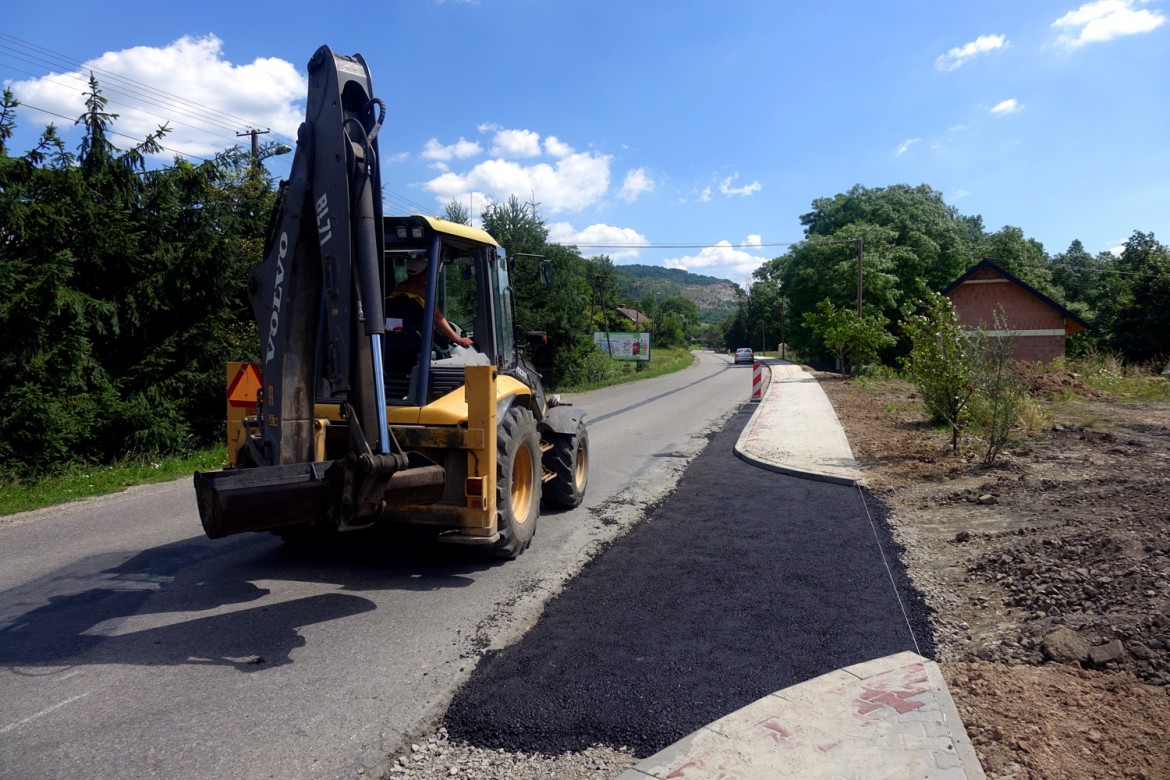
123,288
123,293
910,244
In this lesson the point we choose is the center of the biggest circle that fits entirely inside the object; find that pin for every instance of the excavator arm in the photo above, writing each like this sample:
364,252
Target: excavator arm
321,265
317,300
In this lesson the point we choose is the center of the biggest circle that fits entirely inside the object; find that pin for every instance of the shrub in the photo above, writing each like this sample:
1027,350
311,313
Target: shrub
999,396
938,364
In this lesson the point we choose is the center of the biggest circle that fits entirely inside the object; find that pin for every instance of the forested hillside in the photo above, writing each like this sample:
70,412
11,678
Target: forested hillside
716,299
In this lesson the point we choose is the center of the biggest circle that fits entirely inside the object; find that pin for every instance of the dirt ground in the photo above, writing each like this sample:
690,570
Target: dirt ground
1048,573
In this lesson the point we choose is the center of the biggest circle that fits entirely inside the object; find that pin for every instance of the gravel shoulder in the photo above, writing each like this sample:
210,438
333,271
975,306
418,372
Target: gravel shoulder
1048,574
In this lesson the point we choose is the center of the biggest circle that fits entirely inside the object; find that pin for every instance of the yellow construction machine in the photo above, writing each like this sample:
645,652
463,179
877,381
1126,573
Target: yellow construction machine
354,417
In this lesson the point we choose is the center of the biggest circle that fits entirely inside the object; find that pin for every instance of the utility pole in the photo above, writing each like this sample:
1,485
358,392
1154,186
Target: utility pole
783,345
255,142
860,244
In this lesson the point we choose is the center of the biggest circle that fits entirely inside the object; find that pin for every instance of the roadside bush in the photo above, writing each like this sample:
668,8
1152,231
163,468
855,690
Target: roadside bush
855,341
938,364
994,408
1108,372
589,366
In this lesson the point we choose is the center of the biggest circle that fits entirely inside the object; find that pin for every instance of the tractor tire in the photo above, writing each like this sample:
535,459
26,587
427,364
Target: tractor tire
518,482
568,460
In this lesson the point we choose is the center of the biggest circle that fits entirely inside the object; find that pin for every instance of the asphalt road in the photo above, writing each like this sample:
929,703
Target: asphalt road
741,583
132,646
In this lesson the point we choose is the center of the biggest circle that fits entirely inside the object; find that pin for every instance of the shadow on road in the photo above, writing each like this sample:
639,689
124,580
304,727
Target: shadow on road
180,603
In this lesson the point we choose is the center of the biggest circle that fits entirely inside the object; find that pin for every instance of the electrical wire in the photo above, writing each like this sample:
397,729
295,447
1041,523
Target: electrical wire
215,122
41,56
218,120
115,132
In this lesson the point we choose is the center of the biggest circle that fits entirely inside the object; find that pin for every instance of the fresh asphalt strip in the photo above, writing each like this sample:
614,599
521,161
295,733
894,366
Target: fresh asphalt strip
739,583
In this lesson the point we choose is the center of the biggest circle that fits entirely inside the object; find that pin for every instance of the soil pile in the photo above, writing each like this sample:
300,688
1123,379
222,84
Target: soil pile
1048,572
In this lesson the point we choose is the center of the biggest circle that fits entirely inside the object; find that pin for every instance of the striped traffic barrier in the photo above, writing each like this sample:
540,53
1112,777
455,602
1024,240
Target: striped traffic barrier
757,382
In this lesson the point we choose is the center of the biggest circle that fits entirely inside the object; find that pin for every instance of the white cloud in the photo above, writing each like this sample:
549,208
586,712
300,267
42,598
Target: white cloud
960,55
905,146
636,183
589,239
959,194
460,150
556,147
516,144
570,184
749,189
722,260
218,99
705,195
1105,20
1005,107
754,240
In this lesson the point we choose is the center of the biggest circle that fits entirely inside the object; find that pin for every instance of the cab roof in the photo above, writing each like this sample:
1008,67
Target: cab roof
452,229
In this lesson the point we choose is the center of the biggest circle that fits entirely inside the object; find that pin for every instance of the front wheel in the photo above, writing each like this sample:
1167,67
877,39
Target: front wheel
568,460
518,481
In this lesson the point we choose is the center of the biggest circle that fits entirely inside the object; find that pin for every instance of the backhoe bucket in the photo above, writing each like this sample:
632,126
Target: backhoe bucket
265,498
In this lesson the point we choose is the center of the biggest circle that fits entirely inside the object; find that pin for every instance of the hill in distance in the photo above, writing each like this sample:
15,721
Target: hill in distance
715,298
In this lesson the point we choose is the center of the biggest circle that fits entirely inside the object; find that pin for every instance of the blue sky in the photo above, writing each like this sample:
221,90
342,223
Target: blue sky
691,134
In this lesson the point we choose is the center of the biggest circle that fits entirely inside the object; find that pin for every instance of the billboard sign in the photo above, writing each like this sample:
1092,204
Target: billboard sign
624,346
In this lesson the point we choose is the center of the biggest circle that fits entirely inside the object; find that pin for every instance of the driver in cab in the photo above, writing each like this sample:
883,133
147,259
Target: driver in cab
406,304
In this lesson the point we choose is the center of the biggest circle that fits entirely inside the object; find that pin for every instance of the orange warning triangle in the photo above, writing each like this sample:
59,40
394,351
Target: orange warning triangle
244,387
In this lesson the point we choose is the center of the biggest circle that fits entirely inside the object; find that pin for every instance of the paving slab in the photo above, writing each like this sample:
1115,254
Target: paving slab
794,430
889,718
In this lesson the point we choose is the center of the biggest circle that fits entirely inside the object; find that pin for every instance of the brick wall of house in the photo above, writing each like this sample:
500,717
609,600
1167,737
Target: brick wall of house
979,298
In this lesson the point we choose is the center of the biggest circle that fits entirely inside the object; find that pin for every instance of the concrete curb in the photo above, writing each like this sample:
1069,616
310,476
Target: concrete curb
889,718
795,431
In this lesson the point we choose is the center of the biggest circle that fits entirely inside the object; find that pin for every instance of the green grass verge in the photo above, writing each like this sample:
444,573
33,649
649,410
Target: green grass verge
663,361
1128,382
81,481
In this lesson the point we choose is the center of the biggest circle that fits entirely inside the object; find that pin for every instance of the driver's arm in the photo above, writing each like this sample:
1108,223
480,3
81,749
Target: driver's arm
447,331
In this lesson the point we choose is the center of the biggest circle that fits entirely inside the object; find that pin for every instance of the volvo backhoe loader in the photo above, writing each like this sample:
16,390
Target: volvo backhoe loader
361,417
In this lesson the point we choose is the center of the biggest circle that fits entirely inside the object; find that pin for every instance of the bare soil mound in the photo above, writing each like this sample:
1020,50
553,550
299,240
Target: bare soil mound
1048,573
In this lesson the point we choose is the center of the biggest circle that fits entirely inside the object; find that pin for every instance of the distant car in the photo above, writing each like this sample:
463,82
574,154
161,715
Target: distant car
744,355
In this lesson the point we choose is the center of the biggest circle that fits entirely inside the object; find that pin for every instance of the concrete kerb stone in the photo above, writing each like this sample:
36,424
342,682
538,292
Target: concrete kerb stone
794,430
887,718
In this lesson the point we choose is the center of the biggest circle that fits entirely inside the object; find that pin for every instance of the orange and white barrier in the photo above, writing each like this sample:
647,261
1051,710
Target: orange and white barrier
757,382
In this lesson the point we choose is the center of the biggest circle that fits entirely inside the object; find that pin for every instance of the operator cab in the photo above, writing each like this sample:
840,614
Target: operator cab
459,270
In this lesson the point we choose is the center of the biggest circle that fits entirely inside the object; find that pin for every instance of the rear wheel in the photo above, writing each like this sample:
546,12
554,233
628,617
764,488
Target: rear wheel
568,460
518,481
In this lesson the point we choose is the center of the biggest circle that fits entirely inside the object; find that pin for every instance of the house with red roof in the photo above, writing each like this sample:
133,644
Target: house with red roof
1038,324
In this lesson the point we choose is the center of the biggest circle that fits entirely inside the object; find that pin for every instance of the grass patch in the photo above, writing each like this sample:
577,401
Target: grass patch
608,372
1033,418
86,481
1140,382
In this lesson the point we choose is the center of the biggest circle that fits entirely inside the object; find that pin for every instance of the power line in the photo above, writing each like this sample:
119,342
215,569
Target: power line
715,245
648,245
143,94
106,92
115,132
402,203
130,87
